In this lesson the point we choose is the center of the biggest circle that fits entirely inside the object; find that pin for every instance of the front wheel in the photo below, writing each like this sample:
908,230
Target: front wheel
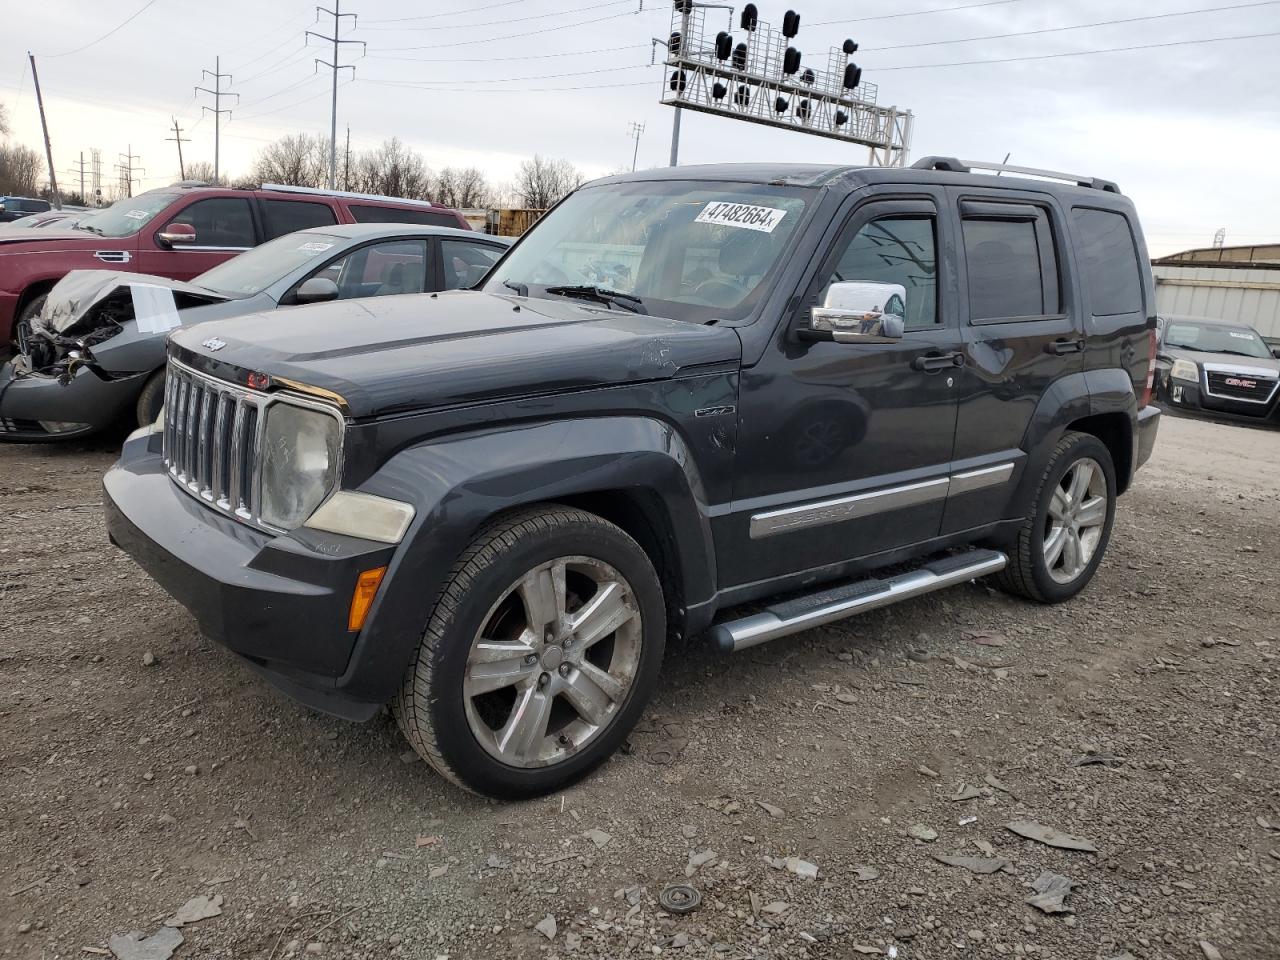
540,654
1063,539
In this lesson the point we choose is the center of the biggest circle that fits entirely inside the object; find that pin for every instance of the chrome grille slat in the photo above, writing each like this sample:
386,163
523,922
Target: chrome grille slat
212,435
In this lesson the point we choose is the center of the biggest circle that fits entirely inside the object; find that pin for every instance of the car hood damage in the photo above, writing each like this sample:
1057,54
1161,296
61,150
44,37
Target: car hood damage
89,307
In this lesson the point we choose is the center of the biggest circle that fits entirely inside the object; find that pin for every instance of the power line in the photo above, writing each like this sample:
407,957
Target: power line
515,36
217,109
1078,53
912,66
143,9
289,106
918,13
506,20
451,13
429,84
531,56
1079,26
335,66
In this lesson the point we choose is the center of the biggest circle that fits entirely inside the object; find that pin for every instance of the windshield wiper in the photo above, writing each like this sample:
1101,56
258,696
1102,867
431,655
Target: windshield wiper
90,228
610,298
521,289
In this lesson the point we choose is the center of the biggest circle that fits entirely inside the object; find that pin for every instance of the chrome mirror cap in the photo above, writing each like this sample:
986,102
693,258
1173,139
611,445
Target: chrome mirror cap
861,311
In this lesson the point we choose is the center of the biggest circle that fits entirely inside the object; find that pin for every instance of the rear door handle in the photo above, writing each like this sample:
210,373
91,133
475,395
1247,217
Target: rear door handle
935,362
1061,347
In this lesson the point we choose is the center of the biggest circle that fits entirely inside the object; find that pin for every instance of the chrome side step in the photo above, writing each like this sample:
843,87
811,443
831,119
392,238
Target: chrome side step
836,603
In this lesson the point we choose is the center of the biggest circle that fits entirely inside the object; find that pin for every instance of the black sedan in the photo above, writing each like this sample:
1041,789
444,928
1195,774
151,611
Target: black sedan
1217,367
96,352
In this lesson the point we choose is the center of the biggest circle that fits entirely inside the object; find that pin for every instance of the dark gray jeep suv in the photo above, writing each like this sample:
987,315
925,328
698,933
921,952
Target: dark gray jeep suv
683,390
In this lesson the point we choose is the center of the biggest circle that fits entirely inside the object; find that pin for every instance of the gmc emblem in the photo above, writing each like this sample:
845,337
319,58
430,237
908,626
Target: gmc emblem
1240,382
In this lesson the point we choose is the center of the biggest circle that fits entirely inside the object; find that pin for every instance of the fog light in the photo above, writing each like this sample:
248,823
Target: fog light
1177,393
362,598
60,426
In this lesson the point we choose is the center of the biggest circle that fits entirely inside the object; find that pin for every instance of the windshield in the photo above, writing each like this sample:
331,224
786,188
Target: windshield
126,217
1215,338
694,251
255,270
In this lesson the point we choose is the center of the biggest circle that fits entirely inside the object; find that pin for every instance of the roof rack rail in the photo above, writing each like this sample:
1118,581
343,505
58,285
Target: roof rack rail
286,188
952,165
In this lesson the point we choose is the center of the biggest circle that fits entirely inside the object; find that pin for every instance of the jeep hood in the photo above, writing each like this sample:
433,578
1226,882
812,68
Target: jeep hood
414,352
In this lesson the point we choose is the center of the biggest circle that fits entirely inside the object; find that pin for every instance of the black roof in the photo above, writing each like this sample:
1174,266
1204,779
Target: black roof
851,177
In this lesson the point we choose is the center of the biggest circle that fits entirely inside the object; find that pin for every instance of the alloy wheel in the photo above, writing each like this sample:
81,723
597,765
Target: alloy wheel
553,662
1077,516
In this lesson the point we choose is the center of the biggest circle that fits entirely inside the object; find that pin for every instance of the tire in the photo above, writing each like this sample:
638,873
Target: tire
151,399
458,703
1038,568
29,313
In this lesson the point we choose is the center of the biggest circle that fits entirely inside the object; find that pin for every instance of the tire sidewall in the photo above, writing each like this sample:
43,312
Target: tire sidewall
1081,446
458,746
151,399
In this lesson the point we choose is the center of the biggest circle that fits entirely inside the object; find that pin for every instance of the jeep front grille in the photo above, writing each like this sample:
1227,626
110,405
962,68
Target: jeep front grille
213,438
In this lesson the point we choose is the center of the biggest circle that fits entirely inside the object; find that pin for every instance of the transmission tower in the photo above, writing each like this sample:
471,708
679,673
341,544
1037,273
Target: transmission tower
217,109
335,67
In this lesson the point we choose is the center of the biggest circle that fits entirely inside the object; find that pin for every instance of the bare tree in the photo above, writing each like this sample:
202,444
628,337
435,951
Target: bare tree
463,189
20,169
201,170
542,182
299,160
4,121
392,170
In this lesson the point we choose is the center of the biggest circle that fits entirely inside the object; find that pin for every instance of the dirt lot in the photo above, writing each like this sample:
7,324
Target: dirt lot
141,766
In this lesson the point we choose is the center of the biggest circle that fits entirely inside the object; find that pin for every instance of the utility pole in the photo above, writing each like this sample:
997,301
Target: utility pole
126,170
217,109
44,125
81,172
335,67
634,130
346,162
179,139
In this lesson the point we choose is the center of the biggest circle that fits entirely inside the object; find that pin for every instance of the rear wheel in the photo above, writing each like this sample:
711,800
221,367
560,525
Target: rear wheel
1063,539
539,656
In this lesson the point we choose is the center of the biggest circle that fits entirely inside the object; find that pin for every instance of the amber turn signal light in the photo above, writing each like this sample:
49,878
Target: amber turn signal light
362,598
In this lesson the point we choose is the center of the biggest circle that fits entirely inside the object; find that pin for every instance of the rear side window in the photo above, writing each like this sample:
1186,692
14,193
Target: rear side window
1012,267
287,216
431,218
1110,261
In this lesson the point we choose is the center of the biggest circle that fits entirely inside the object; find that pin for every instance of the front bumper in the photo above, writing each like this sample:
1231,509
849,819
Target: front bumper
1188,395
86,403
280,602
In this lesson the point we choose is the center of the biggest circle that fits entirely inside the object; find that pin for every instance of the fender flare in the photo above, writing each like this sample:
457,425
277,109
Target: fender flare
1076,396
458,483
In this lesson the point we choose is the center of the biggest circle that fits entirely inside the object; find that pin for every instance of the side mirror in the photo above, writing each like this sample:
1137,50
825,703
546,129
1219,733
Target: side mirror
859,312
176,234
1275,351
316,290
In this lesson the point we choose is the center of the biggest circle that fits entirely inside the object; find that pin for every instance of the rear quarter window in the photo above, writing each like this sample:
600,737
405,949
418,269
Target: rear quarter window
1110,256
363,213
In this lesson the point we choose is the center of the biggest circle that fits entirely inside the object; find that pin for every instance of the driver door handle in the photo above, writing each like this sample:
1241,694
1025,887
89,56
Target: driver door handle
1063,347
935,362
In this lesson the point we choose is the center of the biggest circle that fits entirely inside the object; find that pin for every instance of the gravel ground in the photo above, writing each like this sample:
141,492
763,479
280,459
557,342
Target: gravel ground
142,767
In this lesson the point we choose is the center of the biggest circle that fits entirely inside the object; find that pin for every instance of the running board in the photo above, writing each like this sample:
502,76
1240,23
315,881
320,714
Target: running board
836,603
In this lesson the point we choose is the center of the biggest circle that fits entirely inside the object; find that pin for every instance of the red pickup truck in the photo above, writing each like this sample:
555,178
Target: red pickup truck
181,231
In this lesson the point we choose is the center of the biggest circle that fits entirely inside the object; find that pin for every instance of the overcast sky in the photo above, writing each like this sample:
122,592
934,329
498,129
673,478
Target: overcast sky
1191,132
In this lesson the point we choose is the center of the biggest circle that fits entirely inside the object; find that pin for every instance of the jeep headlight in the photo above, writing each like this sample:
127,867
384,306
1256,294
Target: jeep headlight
299,463
1185,370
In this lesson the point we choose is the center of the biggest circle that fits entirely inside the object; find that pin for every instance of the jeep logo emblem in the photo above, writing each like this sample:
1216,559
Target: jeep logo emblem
213,344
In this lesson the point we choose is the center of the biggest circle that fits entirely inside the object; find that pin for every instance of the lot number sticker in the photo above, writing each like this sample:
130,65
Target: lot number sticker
315,246
744,215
